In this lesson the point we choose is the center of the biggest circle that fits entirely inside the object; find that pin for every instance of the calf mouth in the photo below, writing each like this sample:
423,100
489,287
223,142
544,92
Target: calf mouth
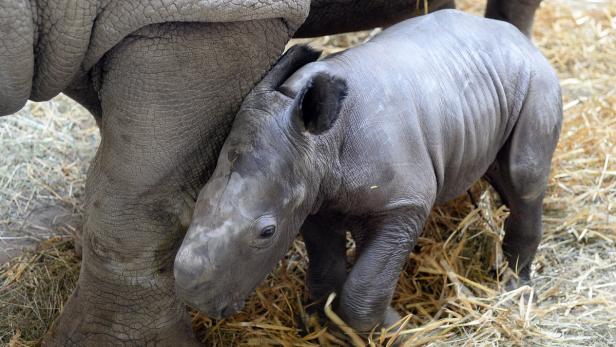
221,309
218,307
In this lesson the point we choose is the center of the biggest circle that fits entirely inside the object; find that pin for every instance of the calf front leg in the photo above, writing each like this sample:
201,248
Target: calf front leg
326,245
387,241
168,96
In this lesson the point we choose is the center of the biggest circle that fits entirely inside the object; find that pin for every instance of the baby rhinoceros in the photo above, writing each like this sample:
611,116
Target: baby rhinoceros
369,140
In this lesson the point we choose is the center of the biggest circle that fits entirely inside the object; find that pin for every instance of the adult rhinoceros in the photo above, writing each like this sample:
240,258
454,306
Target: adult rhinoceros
163,78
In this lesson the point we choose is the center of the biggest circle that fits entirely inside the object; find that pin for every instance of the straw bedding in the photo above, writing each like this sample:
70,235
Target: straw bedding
448,290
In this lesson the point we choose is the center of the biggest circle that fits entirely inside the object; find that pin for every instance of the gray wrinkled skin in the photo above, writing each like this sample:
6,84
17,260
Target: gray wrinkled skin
369,140
163,80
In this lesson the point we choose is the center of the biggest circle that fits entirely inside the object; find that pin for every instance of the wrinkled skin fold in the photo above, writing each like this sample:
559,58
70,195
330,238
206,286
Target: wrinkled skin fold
163,79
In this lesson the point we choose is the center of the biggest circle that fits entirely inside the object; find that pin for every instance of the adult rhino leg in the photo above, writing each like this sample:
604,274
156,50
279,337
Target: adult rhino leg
517,12
329,17
168,95
450,4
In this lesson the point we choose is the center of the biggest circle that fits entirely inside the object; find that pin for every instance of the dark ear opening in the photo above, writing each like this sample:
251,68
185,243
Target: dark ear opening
321,101
292,60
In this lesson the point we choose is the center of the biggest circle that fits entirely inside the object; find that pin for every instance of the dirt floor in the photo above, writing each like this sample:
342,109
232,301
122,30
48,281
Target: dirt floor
447,291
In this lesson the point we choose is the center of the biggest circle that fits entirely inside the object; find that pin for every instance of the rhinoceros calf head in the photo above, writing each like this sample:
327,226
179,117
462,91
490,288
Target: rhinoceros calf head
264,186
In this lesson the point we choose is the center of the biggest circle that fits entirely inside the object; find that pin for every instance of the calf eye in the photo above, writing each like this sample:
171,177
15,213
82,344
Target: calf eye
268,231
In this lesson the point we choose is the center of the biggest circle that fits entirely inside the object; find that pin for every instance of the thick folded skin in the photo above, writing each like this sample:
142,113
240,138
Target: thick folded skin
17,34
48,44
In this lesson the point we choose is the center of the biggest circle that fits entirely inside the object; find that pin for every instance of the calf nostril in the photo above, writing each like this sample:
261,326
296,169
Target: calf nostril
186,273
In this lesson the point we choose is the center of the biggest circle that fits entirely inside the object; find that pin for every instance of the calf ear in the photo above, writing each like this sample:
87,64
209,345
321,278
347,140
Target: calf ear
292,60
320,102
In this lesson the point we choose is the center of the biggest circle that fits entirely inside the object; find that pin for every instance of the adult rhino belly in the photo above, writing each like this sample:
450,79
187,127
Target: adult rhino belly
122,17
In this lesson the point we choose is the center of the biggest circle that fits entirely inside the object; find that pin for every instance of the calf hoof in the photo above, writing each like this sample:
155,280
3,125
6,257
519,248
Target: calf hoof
317,309
390,324
392,317
511,281
516,283
369,323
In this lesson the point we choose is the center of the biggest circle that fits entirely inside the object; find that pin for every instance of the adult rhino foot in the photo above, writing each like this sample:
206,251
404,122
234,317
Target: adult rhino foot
72,331
97,315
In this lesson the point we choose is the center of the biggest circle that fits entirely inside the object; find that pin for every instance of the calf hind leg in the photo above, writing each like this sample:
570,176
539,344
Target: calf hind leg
523,227
520,175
